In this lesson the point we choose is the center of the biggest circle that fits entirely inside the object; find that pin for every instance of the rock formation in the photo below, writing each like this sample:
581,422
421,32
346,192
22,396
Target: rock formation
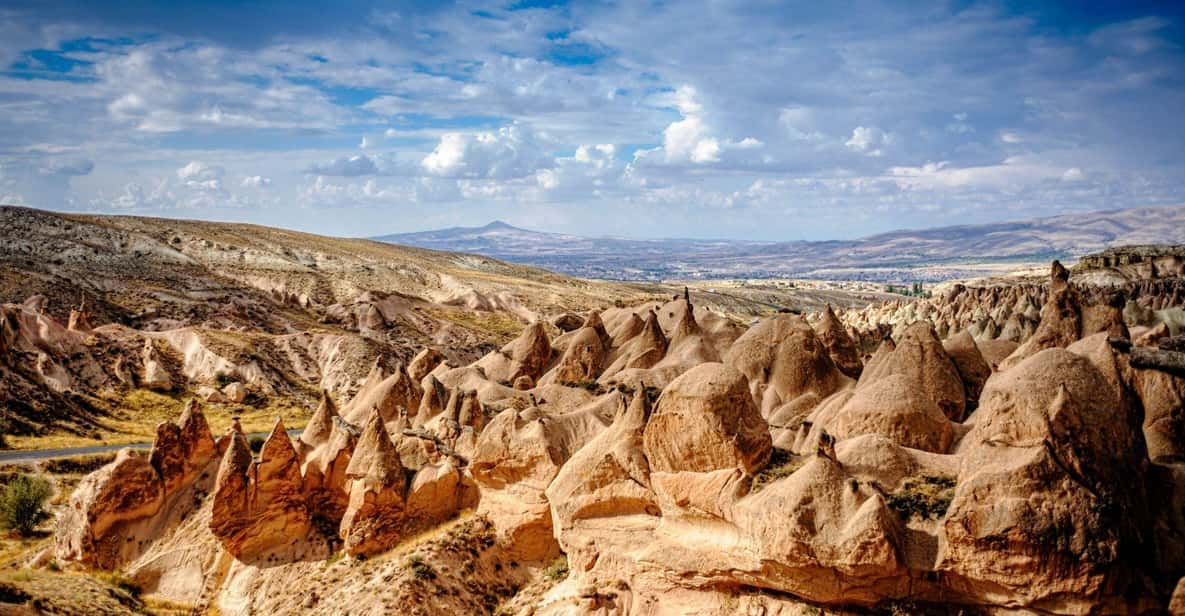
1002,449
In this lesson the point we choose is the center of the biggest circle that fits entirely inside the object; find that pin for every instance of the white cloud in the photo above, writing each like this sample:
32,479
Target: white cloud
512,151
346,166
200,172
869,140
255,181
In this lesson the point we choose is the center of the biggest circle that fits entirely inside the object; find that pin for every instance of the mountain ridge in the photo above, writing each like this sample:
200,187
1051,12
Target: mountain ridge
937,253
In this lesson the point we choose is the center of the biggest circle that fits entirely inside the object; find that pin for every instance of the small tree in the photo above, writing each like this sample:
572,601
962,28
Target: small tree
22,505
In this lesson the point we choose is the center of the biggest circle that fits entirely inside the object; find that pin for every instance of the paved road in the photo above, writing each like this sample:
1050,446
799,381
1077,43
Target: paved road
36,455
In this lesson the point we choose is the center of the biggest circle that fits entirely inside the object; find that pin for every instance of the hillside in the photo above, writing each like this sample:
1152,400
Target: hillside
92,303
928,254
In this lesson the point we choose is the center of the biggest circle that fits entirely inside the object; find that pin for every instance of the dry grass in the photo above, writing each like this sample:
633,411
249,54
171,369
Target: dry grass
500,327
60,592
140,411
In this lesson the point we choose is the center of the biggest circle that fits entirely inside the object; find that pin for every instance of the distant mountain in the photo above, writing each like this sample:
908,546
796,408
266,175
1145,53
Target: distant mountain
913,254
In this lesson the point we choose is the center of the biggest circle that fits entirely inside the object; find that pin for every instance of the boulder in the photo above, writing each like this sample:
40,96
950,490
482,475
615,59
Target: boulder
1050,503
706,420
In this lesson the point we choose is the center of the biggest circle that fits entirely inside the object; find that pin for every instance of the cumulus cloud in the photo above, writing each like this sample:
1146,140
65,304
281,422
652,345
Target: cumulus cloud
200,172
869,140
767,109
512,151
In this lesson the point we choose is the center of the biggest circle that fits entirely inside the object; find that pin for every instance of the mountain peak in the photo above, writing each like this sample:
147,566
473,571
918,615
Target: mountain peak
499,225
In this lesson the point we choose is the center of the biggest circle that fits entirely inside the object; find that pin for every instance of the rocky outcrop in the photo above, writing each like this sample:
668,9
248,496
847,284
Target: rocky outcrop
584,357
182,450
89,531
839,344
259,505
705,420
969,361
1049,506
118,509
374,518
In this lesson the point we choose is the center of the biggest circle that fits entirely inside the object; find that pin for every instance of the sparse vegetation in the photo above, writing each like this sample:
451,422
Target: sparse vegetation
557,570
781,464
914,290
256,443
926,497
420,568
77,464
22,504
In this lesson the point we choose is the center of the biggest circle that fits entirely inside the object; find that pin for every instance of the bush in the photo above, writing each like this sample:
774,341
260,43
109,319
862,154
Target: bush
22,505
256,443
557,570
927,497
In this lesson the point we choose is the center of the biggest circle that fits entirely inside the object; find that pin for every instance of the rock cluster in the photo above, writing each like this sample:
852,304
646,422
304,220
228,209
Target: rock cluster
674,457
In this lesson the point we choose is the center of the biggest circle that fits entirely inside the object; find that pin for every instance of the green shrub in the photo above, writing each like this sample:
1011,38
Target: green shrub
557,570
22,505
927,497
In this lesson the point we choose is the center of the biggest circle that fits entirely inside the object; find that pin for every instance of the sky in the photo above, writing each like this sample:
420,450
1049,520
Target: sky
691,118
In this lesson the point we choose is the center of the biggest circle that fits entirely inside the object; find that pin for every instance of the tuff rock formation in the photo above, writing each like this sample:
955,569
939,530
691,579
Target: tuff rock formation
1000,450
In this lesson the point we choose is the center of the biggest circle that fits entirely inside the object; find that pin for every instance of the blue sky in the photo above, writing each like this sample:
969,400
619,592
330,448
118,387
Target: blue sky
755,120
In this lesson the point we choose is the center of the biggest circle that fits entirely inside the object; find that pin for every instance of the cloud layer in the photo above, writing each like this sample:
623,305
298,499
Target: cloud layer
777,121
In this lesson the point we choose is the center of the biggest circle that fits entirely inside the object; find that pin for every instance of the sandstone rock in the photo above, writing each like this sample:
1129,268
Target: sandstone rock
1050,493
153,373
567,322
528,355
259,505
839,344
235,392
972,367
209,395
523,383
127,489
607,479
584,358
643,350
784,361
893,407
705,420
374,519
433,402
423,363
390,389
920,357
183,450
320,425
